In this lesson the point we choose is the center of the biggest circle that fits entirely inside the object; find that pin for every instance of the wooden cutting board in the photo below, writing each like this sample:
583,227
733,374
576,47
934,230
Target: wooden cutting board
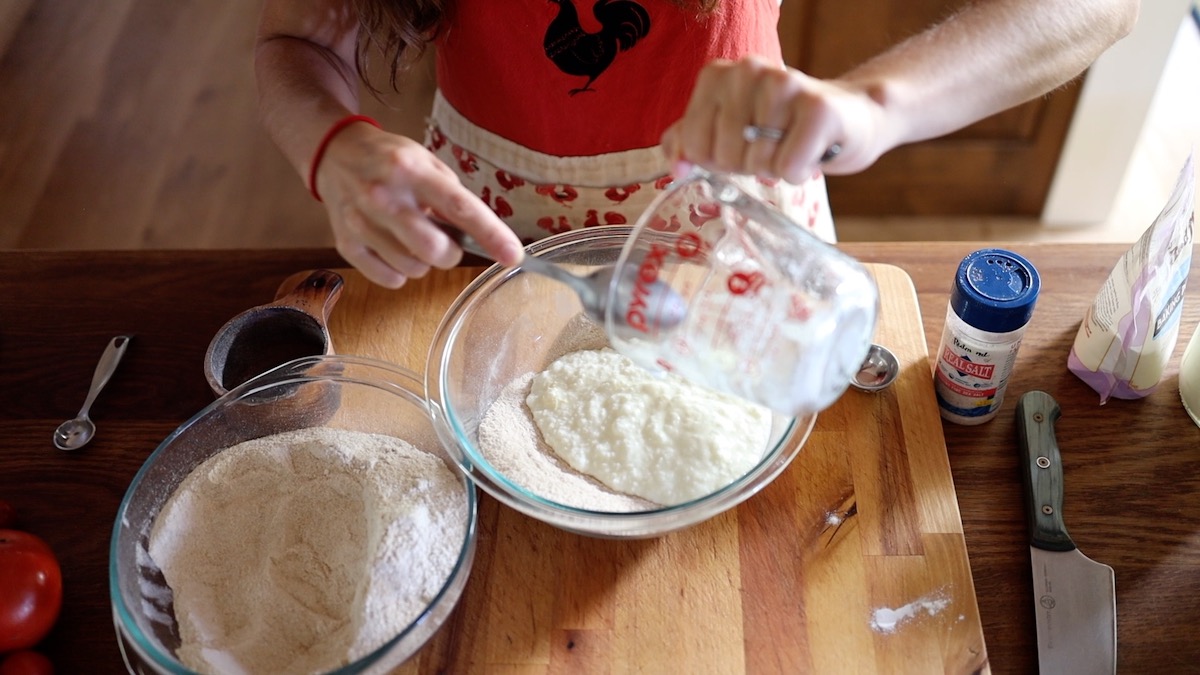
851,561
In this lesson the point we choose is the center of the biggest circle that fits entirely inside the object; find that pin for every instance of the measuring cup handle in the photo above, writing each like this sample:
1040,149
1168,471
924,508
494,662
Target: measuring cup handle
315,294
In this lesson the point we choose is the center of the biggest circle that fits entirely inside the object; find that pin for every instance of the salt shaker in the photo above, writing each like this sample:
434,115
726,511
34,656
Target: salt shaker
1189,377
991,303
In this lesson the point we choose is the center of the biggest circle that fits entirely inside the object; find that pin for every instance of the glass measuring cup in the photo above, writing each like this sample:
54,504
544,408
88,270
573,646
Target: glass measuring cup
773,314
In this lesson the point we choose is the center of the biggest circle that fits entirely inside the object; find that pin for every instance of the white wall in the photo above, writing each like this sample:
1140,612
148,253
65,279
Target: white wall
1108,120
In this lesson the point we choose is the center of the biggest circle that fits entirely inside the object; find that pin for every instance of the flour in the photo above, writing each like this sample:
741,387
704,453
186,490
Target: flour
303,551
887,620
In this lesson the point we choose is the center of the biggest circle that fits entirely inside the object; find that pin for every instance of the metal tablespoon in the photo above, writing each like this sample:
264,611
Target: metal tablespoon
878,370
74,434
668,306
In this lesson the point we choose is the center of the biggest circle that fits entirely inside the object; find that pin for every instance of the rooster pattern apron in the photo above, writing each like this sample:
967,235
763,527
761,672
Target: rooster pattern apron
551,110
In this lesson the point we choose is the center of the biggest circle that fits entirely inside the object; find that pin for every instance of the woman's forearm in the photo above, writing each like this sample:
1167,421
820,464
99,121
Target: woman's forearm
304,68
987,57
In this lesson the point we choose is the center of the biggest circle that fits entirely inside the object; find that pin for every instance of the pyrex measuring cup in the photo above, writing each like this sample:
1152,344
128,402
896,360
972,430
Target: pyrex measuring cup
773,314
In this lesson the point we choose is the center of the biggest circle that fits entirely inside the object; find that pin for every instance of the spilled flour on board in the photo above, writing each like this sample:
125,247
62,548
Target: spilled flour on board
887,620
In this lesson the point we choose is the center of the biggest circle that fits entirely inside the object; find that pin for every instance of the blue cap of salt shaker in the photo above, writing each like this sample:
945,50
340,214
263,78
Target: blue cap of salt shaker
995,290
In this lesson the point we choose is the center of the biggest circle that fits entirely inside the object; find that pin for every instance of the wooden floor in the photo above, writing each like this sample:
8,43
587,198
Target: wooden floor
132,124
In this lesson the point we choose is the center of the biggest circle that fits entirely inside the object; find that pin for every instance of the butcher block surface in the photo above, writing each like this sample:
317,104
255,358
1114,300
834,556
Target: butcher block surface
852,560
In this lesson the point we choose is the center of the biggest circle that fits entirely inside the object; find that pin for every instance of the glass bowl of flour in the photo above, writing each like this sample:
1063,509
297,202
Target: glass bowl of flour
308,521
536,407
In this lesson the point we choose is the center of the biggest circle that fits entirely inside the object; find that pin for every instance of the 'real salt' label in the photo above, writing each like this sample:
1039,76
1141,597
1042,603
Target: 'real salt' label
972,373
991,303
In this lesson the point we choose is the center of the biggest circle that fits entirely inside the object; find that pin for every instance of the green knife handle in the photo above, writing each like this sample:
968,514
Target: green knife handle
1042,473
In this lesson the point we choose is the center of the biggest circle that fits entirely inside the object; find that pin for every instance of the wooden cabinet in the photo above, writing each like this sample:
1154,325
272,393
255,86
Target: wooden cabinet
1000,165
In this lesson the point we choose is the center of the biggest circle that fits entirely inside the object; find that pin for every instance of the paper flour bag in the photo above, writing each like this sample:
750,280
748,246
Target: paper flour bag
1129,332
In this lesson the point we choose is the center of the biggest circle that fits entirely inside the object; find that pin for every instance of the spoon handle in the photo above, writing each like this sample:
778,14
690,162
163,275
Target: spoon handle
530,263
104,369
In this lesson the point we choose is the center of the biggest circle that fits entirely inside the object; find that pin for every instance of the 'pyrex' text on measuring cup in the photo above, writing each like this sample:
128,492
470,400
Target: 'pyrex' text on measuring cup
773,314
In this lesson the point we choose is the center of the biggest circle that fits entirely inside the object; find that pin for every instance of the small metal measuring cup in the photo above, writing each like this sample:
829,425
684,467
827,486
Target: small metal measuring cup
295,324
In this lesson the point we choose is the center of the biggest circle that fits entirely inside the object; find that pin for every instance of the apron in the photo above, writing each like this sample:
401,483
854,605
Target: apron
538,194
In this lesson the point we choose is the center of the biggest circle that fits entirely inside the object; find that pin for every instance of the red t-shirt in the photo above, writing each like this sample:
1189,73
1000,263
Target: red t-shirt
588,77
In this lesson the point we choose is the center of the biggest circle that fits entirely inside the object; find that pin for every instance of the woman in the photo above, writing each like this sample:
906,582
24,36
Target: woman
560,114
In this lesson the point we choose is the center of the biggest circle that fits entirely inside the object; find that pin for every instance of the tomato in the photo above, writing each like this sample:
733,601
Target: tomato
30,590
25,662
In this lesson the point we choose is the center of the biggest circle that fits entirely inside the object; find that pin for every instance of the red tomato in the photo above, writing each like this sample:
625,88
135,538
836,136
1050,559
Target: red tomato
30,590
26,662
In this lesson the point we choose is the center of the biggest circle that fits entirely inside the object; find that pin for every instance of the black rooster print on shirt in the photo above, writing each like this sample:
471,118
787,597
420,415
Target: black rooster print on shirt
622,24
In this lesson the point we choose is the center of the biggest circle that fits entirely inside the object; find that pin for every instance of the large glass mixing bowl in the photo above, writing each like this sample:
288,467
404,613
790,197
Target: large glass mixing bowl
337,392
509,323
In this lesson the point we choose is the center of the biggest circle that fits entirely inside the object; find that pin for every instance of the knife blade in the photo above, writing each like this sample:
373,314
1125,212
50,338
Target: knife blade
1074,596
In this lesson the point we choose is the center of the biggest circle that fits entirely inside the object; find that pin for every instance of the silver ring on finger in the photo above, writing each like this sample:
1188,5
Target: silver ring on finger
831,152
754,132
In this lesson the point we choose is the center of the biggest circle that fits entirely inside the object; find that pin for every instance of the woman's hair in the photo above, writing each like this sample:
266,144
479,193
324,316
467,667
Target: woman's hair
400,30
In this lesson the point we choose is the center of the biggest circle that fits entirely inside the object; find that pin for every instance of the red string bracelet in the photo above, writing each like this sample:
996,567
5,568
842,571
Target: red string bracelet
321,147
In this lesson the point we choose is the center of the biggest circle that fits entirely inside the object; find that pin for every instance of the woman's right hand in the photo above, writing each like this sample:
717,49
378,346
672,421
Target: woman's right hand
379,189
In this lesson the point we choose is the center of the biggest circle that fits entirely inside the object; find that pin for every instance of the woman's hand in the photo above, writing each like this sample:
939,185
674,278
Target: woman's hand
380,188
825,125
983,59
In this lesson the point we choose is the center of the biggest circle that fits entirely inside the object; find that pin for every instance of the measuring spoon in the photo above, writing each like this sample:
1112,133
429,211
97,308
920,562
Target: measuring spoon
669,308
76,433
878,370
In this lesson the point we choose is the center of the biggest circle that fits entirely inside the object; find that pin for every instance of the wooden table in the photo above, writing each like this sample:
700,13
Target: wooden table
1132,467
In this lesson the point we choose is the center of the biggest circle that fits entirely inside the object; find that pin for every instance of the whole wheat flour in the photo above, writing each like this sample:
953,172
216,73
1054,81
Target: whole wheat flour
303,551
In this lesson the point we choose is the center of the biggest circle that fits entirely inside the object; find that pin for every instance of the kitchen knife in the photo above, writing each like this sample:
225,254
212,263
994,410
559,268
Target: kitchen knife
1074,597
